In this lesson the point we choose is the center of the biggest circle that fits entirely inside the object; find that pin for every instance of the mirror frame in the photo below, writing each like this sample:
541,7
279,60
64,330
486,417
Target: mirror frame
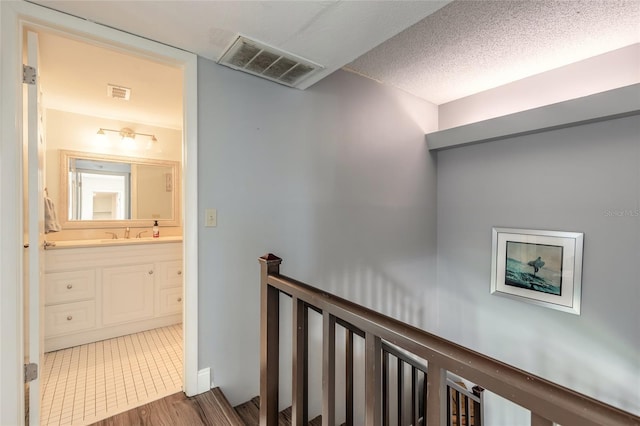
116,223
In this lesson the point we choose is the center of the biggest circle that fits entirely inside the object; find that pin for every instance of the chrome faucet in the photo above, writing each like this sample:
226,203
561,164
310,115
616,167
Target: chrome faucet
114,236
139,234
127,232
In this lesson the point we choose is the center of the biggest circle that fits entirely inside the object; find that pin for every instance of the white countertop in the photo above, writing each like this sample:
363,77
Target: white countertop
112,242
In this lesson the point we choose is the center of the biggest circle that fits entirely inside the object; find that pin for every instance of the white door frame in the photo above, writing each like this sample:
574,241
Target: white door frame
13,17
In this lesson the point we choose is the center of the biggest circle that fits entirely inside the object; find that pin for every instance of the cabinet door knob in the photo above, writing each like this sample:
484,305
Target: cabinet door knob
69,318
151,272
179,299
69,286
179,272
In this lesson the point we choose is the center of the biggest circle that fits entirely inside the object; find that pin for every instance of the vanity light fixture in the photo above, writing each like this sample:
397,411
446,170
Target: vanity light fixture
126,135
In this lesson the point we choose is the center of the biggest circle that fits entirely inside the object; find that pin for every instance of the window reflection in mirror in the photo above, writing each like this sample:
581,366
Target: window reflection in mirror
99,190
104,191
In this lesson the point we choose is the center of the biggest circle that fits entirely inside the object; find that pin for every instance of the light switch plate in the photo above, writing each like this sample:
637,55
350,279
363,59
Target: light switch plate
210,218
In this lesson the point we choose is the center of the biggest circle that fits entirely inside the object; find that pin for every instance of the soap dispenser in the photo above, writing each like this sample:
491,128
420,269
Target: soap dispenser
156,230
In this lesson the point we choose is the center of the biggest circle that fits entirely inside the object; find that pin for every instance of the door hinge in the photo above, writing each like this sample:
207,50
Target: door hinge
29,74
30,372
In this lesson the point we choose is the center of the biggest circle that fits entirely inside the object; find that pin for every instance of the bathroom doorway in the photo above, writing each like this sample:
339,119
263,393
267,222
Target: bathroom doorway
101,356
43,21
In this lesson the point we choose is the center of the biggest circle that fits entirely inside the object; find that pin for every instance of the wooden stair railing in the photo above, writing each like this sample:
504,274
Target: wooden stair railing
548,402
464,407
418,388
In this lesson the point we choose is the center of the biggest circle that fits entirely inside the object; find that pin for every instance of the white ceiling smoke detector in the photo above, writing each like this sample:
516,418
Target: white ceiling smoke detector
118,92
268,62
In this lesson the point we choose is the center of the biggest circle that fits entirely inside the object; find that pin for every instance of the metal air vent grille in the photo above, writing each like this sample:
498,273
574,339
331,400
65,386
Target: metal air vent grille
267,62
118,92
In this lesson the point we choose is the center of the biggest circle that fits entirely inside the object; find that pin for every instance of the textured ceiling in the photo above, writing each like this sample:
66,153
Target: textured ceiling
470,46
448,50
330,33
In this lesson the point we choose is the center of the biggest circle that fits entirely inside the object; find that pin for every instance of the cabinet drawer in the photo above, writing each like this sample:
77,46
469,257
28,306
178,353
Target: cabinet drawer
170,273
69,317
61,287
170,301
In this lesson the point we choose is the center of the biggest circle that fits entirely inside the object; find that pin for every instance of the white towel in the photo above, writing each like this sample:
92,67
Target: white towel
51,223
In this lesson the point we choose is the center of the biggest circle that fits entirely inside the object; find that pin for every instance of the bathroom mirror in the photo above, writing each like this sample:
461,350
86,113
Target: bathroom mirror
103,191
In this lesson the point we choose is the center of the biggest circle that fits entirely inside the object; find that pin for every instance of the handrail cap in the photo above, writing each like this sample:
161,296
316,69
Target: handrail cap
270,258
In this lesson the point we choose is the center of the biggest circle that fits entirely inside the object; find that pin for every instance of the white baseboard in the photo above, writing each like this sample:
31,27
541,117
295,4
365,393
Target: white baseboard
204,380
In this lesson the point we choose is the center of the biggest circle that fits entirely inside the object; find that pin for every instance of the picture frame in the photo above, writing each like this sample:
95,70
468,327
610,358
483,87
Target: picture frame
539,267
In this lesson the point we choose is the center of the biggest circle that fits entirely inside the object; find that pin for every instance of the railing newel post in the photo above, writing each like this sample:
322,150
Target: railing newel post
269,340
436,403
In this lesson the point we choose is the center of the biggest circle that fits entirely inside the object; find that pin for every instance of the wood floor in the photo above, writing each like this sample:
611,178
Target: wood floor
209,408
250,414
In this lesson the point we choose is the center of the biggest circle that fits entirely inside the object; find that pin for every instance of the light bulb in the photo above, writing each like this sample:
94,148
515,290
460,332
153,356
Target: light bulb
128,142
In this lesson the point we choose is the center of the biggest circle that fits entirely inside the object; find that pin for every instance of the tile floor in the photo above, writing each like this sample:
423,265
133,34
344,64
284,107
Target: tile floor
87,383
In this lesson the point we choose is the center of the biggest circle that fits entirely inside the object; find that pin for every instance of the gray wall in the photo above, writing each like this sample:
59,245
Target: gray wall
584,179
335,179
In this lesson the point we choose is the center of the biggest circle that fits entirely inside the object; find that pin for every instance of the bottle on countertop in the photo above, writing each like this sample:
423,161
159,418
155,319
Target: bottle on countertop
156,230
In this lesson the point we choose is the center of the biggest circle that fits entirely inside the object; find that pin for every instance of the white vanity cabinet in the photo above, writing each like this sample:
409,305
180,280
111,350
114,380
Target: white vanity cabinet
97,293
127,293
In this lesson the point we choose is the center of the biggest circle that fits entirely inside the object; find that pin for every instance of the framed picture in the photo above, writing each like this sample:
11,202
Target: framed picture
539,267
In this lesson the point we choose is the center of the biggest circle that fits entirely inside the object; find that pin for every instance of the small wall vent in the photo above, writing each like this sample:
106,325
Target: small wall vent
267,62
118,92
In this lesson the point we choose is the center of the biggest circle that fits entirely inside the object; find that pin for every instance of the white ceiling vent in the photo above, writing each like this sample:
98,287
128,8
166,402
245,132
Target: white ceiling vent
267,62
118,92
